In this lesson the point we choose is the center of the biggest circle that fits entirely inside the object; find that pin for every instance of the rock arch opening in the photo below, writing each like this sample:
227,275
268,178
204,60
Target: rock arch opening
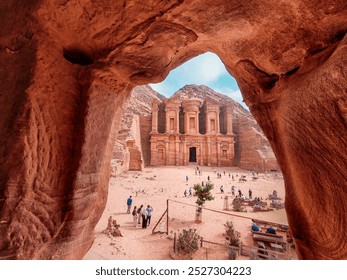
302,111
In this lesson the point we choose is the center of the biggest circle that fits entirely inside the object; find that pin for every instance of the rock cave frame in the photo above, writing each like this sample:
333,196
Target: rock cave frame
67,66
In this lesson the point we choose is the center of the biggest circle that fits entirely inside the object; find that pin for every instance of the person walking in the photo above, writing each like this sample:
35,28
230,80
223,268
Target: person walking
190,191
129,202
250,193
149,211
144,218
139,213
134,213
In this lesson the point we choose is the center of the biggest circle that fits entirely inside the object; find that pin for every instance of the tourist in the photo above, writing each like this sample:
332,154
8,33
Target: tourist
149,211
221,189
190,191
144,218
270,230
139,212
274,194
208,178
250,193
233,190
240,193
129,202
202,184
134,213
255,227
275,202
232,177
185,193
187,178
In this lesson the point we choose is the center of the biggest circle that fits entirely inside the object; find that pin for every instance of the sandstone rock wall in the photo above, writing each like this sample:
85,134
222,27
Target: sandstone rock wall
67,67
146,127
253,149
131,147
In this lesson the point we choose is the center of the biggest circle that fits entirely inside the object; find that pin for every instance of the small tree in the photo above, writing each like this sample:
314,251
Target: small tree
188,241
233,238
204,194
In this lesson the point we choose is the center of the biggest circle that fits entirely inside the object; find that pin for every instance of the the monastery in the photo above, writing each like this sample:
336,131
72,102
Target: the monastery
191,131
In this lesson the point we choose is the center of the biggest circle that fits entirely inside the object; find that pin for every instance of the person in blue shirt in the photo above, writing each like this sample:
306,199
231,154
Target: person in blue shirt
255,227
271,230
129,202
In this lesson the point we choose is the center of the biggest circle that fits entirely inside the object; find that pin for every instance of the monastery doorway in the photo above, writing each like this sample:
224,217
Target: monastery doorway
192,154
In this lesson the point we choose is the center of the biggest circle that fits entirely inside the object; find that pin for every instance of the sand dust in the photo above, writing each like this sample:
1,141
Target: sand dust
154,186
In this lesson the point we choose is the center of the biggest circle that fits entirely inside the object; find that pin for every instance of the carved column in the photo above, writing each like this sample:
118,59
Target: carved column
177,151
166,152
197,121
208,152
217,122
177,123
229,119
155,116
218,153
153,152
186,123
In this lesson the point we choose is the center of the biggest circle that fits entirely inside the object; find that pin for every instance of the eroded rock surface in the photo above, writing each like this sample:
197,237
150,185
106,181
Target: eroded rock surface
67,66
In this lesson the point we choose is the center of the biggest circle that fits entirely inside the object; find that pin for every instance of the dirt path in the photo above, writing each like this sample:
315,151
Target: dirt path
154,186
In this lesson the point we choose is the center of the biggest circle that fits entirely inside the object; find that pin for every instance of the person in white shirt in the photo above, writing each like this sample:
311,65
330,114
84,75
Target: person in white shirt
149,211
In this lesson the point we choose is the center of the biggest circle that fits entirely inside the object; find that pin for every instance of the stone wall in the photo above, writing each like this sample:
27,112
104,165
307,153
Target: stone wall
145,129
253,149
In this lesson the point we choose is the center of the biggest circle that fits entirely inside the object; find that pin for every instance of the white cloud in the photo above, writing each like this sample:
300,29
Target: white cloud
163,88
203,69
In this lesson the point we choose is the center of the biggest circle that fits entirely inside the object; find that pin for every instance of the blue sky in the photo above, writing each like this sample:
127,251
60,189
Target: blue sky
206,69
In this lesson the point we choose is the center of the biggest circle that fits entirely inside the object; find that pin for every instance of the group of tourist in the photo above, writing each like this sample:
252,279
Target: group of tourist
198,171
269,230
190,192
141,215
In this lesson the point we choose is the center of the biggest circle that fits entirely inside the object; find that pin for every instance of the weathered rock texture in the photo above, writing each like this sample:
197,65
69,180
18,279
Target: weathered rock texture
67,66
130,151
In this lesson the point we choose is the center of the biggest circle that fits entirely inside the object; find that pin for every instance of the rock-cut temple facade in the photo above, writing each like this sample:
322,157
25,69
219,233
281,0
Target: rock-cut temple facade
191,131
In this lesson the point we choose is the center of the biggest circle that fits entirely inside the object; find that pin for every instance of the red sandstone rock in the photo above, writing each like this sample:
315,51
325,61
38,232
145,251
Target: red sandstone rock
67,66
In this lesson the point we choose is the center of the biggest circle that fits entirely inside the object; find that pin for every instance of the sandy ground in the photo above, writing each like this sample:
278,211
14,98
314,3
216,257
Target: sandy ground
154,186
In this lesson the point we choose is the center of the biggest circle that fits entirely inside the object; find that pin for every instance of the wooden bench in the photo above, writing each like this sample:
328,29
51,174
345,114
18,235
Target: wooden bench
252,203
277,247
256,209
268,239
267,234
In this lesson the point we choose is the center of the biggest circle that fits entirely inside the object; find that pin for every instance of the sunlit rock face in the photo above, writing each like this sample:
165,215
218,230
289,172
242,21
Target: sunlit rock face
67,66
